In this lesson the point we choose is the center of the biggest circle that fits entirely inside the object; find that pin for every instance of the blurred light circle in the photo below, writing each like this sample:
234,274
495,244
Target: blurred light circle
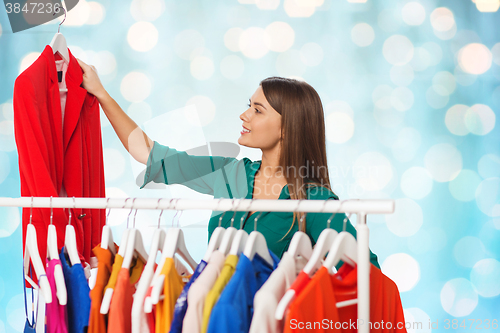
79,15
135,87
402,75
381,96
485,277
458,297
267,4
495,51
488,196
97,13
107,63
339,127
389,118
443,161
311,54
406,144
147,10
437,96
403,269
142,36
398,50
445,80
254,42
487,6
232,39
463,187
339,106
140,112
421,59
0,30
203,111
406,219
232,67
28,60
281,36
455,119
435,52
7,110
186,42
372,171
416,183
489,166
442,19
362,34
202,68
114,164
446,35
413,13
417,315
479,119
299,8
289,64
402,98
468,250
475,58
10,218
463,78
389,20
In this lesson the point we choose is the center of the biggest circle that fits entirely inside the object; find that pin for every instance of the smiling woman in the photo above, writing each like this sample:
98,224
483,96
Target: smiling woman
285,120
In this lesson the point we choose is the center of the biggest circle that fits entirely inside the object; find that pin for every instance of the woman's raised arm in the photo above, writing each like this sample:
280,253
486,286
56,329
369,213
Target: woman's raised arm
133,138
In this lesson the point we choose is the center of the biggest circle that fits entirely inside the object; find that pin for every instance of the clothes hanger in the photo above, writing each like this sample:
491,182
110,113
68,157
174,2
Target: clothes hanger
147,275
240,239
135,245
108,294
174,244
53,253
107,236
70,241
32,255
256,244
228,235
300,245
344,248
58,43
215,240
323,245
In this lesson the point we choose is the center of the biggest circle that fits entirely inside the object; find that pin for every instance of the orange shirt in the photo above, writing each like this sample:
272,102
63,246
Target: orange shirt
315,307
97,321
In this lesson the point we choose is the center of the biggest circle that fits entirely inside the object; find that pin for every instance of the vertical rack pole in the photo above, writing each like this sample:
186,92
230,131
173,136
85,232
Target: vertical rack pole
363,274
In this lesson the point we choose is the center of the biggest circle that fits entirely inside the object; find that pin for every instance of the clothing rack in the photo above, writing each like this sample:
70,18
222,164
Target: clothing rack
359,207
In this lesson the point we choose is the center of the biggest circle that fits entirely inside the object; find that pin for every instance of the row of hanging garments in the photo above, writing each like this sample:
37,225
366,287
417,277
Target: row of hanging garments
238,286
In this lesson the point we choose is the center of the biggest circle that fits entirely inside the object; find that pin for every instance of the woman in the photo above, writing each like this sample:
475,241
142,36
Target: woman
285,120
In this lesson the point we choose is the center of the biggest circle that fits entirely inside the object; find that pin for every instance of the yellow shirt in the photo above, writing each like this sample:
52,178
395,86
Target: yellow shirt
137,267
214,294
172,288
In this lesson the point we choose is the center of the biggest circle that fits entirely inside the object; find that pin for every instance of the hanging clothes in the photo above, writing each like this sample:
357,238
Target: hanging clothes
78,295
59,155
318,300
181,304
56,318
98,321
199,290
233,312
267,298
214,293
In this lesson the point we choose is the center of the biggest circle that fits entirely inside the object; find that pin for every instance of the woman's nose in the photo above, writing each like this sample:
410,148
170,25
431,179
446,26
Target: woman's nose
244,116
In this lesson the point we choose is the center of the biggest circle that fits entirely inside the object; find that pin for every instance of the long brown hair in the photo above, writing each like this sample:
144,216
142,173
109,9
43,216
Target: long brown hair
303,132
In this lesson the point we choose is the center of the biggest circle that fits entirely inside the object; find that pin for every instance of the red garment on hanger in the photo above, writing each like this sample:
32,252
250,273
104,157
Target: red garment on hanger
53,152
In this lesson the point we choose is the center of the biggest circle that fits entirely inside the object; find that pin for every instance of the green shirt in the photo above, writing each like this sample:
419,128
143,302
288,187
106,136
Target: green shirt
228,177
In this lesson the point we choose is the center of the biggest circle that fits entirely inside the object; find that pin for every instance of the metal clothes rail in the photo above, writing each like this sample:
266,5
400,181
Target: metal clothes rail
359,207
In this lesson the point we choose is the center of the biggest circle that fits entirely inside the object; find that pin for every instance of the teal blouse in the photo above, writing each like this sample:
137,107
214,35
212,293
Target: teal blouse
228,177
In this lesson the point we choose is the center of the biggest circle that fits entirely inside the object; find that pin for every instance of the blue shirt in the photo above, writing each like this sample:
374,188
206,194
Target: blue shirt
234,310
78,295
182,303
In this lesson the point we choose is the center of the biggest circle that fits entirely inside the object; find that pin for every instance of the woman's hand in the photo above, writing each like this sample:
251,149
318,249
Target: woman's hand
91,81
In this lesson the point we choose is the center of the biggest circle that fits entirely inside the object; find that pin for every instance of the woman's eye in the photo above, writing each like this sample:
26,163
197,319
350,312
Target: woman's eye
257,111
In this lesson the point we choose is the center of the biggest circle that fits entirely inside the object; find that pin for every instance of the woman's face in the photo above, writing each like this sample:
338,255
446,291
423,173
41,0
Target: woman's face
261,123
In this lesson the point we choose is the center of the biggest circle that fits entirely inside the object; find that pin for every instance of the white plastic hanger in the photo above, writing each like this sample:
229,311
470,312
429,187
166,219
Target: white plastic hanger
135,245
107,236
108,294
215,239
256,244
240,240
31,254
228,238
58,43
323,245
70,241
300,246
53,253
174,244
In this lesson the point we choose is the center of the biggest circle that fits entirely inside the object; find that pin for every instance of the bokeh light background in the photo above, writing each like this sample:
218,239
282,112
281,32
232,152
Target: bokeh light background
411,92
